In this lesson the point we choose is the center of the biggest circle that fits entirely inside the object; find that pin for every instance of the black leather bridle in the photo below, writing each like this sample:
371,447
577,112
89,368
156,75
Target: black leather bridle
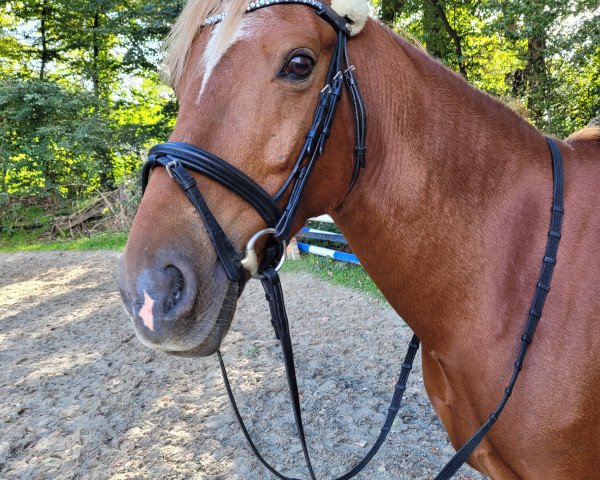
179,157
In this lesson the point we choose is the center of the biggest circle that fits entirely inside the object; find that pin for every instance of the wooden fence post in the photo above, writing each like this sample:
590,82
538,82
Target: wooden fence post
292,250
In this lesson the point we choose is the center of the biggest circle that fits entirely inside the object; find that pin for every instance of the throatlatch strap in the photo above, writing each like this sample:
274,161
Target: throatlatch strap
360,121
316,137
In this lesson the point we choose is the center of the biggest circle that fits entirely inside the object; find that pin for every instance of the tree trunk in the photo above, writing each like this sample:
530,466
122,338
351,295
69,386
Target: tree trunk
517,83
435,40
456,38
535,75
3,169
45,53
95,55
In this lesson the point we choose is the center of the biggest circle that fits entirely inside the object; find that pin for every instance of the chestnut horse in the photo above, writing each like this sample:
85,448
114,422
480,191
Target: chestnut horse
449,218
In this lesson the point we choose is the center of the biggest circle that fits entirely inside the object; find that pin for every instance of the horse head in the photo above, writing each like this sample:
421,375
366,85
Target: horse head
248,81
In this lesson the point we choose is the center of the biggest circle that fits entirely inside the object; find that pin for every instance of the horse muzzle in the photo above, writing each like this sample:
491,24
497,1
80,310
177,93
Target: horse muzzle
172,310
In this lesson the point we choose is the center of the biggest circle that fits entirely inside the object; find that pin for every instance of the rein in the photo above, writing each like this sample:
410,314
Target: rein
179,157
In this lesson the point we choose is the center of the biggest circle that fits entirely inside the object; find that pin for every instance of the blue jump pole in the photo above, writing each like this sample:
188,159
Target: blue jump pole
327,252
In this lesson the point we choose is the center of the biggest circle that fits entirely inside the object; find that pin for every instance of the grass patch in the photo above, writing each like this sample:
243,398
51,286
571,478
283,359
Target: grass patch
30,242
338,273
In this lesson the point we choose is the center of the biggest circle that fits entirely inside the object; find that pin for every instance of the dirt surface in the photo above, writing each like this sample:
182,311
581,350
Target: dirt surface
82,398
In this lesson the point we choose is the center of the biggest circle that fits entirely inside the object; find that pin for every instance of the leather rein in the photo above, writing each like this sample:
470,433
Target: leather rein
178,158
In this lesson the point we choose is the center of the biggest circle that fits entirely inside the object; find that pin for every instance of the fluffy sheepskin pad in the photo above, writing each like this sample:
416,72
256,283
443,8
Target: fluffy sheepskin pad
356,10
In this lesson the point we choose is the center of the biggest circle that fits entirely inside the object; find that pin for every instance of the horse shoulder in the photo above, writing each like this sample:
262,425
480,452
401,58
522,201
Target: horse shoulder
458,418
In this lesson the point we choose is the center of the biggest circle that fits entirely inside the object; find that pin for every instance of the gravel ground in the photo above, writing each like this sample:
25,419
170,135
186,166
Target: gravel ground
82,398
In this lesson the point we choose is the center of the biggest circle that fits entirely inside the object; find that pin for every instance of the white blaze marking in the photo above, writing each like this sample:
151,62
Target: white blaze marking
246,28
146,311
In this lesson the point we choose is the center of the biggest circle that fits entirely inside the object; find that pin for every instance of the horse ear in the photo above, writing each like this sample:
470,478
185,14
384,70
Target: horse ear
355,10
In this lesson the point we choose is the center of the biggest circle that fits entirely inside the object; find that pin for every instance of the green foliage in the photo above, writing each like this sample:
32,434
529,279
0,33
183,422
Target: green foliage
50,138
338,273
81,100
542,55
10,47
21,218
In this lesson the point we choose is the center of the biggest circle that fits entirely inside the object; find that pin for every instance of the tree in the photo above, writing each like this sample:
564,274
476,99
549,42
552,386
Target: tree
39,28
540,55
389,10
49,138
82,100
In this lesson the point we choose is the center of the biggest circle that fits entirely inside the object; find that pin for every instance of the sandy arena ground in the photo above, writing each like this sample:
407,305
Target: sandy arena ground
81,398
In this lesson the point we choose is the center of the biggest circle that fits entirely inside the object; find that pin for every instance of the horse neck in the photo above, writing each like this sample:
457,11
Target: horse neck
451,176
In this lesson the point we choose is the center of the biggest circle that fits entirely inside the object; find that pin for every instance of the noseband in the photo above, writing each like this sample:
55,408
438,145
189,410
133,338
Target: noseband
178,158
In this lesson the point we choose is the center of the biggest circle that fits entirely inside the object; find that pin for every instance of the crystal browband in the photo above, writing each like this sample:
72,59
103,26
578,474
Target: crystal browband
214,19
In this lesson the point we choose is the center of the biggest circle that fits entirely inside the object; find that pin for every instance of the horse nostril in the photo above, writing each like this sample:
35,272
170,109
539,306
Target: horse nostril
163,296
176,287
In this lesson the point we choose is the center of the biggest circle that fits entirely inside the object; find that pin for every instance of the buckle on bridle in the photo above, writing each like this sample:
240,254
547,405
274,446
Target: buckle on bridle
250,260
170,165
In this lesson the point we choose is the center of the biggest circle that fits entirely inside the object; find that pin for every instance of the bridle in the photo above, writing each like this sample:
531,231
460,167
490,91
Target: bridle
178,158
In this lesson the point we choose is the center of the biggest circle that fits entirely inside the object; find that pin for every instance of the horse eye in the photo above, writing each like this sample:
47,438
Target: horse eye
298,68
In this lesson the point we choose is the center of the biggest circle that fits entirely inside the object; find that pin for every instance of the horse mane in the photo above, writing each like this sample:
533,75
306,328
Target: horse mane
187,26
587,134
